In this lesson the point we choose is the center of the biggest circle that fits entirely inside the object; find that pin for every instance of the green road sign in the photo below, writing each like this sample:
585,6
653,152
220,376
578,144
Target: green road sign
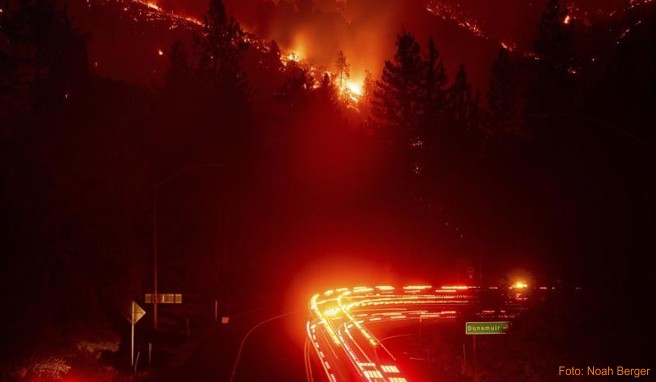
487,327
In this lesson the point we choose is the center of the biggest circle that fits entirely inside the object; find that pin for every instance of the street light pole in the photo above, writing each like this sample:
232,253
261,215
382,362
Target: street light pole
155,297
155,193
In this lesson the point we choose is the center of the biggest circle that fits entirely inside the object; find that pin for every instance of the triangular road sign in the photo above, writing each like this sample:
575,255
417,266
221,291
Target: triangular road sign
134,312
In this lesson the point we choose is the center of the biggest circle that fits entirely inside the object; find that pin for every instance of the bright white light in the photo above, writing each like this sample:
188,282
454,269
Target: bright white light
354,87
520,285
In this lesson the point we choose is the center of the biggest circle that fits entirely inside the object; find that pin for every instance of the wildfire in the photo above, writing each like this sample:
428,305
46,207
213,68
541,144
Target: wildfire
155,12
153,6
290,57
355,88
350,92
457,16
508,46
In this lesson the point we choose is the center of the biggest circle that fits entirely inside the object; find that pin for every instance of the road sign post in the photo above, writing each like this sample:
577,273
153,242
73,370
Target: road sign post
483,328
474,359
132,340
133,315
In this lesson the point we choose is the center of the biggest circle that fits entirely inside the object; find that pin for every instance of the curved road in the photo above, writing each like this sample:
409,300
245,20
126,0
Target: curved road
339,329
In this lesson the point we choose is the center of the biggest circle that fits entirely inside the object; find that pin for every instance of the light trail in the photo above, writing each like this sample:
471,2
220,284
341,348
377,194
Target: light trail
341,323
340,320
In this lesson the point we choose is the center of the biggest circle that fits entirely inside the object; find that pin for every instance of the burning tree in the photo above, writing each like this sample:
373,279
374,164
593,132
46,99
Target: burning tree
553,85
342,70
554,38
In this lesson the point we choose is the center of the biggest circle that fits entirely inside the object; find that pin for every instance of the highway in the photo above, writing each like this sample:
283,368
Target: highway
347,337
343,322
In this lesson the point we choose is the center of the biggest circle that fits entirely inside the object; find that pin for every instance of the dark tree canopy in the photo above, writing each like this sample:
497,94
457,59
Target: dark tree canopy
397,99
179,78
554,40
221,46
45,56
460,102
436,79
503,97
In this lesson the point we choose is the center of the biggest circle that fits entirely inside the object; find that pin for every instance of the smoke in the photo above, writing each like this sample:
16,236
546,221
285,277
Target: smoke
369,36
365,30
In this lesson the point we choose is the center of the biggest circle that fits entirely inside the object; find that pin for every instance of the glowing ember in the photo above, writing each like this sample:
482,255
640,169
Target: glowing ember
567,20
457,16
153,6
293,56
508,46
160,52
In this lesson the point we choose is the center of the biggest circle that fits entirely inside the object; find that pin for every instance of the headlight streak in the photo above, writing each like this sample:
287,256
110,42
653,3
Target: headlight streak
358,364
343,315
